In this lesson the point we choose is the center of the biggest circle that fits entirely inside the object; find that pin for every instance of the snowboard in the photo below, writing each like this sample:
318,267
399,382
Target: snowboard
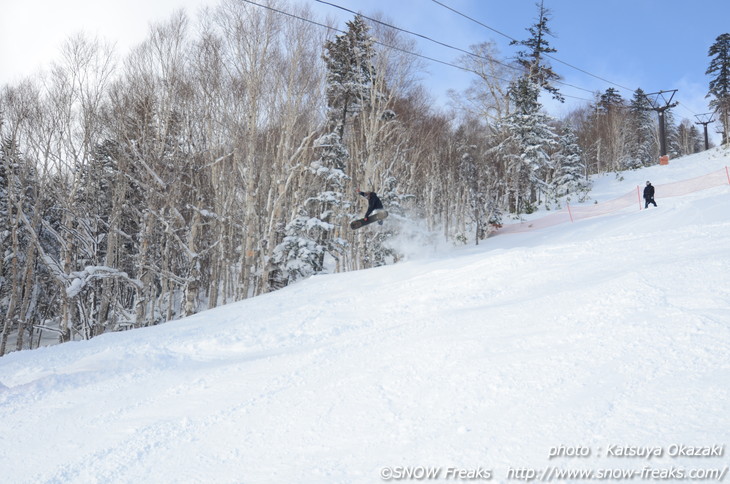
356,224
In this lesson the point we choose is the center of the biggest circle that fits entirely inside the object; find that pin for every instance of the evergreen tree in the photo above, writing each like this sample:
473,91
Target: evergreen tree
533,59
672,134
720,83
299,255
311,236
350,73
527,146
640,134
569,177
696,140
610,101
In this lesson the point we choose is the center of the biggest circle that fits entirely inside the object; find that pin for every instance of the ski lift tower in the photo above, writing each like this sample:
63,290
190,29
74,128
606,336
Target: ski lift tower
704,120
660,102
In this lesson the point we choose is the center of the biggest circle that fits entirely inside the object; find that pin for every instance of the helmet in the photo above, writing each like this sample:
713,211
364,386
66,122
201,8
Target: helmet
648,183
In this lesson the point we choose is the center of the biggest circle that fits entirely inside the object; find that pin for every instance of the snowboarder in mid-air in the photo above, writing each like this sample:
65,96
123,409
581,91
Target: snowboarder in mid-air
374,203
375,212
649,195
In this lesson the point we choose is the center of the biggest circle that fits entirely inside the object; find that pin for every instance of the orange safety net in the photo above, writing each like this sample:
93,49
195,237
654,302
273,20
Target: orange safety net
631,199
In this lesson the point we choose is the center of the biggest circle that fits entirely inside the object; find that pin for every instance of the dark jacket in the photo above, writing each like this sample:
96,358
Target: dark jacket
649,192
374,202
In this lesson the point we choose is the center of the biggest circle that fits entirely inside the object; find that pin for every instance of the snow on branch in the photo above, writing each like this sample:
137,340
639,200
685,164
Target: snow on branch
80,279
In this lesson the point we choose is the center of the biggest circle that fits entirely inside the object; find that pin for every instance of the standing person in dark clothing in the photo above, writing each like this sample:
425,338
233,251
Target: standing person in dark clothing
649,195
374,203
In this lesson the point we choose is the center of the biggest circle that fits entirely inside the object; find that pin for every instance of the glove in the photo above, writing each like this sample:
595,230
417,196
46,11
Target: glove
365,219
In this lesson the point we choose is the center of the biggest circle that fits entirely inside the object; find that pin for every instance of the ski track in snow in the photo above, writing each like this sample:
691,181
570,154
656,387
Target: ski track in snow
613,330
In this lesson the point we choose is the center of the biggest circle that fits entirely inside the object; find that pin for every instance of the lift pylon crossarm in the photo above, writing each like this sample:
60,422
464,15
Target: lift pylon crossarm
705,119
665,103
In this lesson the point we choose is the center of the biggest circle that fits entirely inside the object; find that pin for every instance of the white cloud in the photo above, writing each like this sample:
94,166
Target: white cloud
32,32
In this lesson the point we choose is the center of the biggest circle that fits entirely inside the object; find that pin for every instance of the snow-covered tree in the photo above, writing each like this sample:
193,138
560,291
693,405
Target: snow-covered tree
569,177
720,84
312,236
299,255
672,134
477,180
640,134
6,147
350,74
689,138
529,140
6,239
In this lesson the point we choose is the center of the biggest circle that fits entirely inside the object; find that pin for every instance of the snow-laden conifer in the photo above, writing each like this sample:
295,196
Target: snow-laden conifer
569,178
526,147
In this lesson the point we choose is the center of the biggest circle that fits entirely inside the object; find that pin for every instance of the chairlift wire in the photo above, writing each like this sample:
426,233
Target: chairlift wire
430,39
432,59
517,41
546,55
405,51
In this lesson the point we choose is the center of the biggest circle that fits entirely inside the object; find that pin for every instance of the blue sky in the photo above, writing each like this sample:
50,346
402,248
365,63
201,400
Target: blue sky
652,44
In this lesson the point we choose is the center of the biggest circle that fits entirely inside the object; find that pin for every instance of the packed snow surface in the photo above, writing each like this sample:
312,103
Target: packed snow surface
605,341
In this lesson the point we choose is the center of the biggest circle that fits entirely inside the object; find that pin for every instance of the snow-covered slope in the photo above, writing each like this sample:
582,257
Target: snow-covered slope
601,336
